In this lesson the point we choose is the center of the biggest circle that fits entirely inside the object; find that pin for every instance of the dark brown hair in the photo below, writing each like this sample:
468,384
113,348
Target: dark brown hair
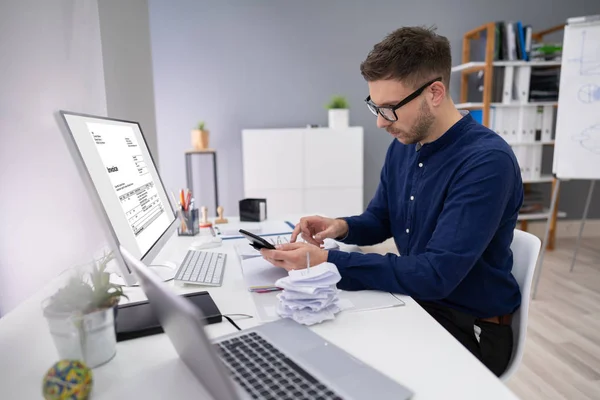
413,55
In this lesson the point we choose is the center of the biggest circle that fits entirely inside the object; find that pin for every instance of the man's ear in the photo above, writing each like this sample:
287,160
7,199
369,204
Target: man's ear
438,93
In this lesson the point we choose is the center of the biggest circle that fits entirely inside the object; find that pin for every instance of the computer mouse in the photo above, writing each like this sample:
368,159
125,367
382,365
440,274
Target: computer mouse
206,242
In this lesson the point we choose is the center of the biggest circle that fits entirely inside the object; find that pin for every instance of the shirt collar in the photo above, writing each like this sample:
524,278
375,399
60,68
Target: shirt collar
448,137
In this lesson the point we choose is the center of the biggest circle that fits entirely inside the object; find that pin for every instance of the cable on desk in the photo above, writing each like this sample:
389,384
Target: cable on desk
246,316
231,322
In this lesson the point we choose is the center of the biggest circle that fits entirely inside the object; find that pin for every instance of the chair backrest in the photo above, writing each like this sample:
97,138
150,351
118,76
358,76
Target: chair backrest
525,248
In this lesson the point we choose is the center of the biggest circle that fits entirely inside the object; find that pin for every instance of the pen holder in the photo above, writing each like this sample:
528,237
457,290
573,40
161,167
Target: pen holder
188,223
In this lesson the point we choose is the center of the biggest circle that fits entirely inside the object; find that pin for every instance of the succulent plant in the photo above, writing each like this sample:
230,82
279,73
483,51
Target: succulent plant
88,292
338,102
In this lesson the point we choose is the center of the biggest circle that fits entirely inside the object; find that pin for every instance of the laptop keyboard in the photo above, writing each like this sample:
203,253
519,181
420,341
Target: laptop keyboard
266,373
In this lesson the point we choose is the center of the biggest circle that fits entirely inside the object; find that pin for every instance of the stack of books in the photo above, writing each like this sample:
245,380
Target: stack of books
544,84
546,52
512,41
532,203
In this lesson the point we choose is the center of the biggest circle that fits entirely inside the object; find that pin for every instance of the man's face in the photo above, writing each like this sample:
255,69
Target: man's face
414,118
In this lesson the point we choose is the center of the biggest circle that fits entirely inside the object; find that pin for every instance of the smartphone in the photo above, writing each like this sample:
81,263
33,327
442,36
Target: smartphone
256,241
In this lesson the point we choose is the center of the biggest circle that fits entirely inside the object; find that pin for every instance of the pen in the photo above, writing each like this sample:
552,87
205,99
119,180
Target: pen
307,260
187,200
175,203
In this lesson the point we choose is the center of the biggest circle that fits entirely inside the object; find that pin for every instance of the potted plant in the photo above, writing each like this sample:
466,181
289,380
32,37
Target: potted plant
338,112
200,137
81,315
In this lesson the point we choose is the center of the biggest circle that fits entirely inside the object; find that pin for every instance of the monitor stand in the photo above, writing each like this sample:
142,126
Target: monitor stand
165,271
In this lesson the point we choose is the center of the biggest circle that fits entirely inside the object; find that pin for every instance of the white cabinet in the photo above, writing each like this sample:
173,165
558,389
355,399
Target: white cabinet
305,170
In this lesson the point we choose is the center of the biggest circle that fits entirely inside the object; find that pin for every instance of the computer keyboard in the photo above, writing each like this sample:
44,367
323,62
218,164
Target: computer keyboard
202,268
266,373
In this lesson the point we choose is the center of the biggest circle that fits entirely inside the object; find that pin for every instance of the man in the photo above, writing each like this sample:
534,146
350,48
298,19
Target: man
449,194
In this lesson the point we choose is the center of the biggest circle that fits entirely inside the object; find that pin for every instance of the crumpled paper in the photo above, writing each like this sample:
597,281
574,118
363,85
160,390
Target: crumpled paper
310,295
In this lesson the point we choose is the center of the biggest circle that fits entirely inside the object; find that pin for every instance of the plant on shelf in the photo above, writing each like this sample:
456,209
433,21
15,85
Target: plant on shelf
338,102
81,315
200,137
338,112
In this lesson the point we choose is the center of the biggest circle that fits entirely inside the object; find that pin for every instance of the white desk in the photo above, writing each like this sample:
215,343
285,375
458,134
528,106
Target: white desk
403,342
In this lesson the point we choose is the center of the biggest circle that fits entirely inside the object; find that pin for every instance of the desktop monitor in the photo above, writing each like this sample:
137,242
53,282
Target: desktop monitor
118,171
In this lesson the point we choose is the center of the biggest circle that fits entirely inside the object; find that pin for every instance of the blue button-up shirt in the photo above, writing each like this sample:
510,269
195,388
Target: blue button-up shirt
451,207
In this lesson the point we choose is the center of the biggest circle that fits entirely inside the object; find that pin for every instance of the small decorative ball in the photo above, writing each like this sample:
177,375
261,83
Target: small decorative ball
67,379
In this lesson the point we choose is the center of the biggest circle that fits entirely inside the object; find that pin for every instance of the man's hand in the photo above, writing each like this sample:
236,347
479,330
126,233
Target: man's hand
315,229
293,255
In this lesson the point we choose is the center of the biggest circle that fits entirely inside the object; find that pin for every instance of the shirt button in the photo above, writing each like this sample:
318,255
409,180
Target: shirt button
420,165
412,198
407,230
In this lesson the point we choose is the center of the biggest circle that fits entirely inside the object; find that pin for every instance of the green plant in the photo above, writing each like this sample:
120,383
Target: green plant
338,102
85,293
201,126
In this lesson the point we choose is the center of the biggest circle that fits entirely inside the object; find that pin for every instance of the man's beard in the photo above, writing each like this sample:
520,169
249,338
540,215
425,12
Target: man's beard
420,129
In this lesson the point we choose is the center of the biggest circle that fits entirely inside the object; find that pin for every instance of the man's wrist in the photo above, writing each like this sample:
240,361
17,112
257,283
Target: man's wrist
323,256
345,229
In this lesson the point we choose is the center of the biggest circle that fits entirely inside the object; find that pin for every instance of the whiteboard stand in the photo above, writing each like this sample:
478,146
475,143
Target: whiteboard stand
576,148
583,218
540,262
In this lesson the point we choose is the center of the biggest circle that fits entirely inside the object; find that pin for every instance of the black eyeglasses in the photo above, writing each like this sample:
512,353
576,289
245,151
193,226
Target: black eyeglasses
389,112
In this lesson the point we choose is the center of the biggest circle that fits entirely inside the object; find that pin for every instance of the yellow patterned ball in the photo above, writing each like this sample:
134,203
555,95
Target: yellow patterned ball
67,379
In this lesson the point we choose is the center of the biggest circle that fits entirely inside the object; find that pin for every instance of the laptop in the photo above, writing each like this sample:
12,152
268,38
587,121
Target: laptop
276,360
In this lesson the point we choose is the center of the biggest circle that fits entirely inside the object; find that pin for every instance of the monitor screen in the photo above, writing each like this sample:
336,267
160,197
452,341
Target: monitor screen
122,171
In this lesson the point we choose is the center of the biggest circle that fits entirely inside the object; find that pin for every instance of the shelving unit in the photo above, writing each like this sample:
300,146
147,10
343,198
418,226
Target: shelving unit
520,109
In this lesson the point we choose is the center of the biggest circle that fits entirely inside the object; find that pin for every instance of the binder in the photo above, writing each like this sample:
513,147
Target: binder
521,41
493,119
500,126
521,125
507,91
522,79
547,123
520,153
530,126
536,161
528,34
511,39
539,115
511,121
526,159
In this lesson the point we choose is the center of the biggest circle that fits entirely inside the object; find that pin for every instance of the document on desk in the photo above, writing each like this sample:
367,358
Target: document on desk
361,301
259,274
264,228
131,180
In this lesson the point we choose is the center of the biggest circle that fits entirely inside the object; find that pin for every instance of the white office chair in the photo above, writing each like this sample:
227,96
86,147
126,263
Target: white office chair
525,248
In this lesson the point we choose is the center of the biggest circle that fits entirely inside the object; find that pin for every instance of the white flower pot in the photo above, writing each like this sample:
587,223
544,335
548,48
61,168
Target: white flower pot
90,338
338,118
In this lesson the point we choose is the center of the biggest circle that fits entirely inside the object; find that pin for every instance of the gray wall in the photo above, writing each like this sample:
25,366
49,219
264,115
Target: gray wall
54,62
127,60
52,59
272,63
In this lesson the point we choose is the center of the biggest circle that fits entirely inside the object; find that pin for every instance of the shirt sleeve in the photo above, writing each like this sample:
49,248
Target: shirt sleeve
372,226
474,207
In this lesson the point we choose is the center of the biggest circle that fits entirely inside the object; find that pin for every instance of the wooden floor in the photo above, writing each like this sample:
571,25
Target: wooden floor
562,351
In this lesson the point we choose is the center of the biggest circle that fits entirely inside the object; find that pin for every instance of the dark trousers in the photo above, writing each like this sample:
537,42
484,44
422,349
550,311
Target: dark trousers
494,347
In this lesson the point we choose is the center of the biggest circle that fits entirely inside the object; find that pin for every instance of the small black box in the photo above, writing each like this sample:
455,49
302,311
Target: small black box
254,210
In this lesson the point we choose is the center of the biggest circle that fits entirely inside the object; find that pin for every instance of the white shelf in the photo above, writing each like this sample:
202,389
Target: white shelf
469,65
547,143
479,65
477,105
541,215
521,63
543,178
